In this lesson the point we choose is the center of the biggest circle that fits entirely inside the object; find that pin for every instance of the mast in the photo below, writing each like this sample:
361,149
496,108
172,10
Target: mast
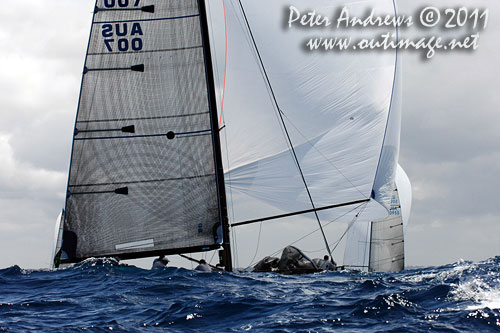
225,254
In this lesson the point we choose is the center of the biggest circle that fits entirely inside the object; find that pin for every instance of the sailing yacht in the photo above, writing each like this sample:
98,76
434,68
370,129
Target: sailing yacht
206,126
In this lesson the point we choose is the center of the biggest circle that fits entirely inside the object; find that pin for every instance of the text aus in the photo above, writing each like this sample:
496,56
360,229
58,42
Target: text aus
122,37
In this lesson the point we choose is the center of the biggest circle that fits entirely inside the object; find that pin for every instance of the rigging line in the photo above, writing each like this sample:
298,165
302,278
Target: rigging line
225,65
335,220
258,243
340,239
336,243
214,62
248,38
314,231
300,212
350,226
392,95
284,127
249,41
323,155
234,248
228,175
212,258
233,231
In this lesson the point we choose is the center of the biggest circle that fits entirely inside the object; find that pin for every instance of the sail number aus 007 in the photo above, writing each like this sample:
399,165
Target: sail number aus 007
129,33
120,3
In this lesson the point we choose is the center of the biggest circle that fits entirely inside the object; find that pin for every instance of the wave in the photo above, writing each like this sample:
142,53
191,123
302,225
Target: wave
103,294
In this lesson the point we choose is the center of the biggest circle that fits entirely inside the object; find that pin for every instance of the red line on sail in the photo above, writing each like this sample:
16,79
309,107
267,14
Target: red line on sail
225,65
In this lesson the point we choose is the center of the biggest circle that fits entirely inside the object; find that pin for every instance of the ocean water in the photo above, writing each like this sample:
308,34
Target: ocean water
103,296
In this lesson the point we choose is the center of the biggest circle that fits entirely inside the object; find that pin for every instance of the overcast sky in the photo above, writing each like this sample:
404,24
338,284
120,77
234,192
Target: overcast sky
450,143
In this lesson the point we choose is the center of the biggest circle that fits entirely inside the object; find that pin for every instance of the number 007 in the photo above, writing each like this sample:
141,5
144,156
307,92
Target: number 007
124,45
121,3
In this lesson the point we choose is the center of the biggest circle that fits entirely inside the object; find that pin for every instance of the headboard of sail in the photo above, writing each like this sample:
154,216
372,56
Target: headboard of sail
142,176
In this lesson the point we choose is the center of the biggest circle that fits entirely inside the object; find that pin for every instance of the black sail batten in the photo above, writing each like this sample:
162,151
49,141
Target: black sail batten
147,9
146,66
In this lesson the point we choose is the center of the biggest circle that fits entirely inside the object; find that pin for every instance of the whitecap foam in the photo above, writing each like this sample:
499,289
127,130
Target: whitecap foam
482,294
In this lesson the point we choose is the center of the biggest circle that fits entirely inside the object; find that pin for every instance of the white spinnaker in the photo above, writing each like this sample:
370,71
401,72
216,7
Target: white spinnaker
405,195
335,107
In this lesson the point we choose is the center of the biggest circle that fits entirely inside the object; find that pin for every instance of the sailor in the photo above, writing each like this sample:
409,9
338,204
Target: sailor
160,262
203,266
328,265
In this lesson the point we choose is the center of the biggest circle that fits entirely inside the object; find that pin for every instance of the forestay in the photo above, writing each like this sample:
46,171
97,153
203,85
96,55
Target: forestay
142,177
